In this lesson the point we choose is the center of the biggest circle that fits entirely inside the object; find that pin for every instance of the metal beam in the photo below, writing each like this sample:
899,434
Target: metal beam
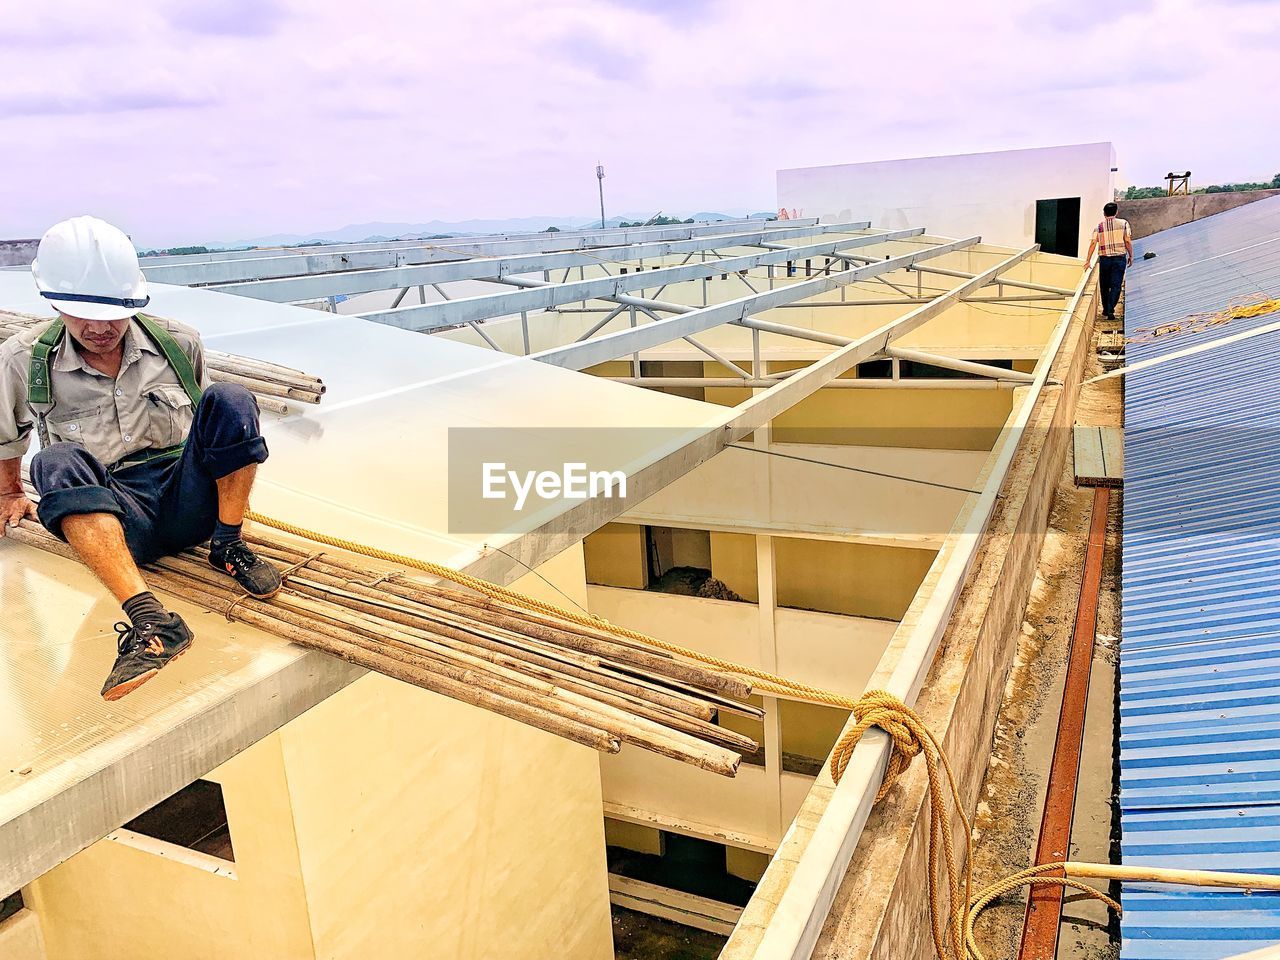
869,383
786,330
541,295
560,236
380,276
763,407
963,366
590,352
1020,284
322,260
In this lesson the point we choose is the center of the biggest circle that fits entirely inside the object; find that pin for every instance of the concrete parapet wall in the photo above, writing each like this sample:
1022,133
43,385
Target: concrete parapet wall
1160,213
881,911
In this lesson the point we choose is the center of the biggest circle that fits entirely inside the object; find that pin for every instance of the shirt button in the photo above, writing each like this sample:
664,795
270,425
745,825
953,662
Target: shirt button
73,427
127,438
119,392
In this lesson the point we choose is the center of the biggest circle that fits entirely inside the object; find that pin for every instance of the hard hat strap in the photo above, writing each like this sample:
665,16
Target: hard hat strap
133,303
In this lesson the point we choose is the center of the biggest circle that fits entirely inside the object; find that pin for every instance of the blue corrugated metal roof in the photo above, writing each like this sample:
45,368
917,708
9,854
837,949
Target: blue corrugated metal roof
1200,652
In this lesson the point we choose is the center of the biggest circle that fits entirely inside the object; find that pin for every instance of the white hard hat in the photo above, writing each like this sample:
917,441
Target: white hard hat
87,268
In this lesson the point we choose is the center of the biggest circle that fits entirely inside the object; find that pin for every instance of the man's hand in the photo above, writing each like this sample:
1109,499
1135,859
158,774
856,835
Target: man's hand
1130,262
13,508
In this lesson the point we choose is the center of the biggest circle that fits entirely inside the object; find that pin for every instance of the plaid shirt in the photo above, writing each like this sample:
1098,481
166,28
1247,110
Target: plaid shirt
1111,235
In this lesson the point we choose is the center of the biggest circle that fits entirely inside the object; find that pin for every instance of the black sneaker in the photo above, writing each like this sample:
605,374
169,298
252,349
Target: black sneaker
143,651
259,578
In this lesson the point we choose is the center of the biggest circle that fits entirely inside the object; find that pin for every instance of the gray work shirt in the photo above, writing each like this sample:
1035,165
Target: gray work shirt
143,408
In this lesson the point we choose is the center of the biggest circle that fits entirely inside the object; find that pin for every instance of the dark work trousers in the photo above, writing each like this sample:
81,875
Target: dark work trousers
1111,280
165,505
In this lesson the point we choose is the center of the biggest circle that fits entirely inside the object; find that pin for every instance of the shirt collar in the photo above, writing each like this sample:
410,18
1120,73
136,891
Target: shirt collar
134,343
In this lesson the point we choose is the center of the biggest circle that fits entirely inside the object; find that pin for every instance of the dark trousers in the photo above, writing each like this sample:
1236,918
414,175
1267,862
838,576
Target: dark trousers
165,505
1111,281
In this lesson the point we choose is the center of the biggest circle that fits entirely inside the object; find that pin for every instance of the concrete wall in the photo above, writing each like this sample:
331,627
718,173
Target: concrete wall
1160,213
990,194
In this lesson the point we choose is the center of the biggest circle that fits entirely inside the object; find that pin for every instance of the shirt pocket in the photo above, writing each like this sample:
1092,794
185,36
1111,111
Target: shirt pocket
169,415
76,426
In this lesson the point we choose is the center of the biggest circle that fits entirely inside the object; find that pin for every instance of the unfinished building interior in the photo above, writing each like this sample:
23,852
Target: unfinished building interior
841,441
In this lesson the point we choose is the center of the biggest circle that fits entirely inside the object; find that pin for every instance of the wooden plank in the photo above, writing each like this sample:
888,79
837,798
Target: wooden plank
1087,455
1113,454
687,908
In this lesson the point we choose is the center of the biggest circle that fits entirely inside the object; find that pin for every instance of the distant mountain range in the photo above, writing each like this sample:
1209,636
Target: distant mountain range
380,231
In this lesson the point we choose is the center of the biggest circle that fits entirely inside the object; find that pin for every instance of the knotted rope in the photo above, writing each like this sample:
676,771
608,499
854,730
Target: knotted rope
951,919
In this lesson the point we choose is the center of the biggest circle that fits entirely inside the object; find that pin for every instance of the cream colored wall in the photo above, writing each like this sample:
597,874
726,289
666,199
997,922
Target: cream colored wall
823,649
744,490
20,937
615,556
116,901
632,836
859,579
453,832
733,561
693,801
936,419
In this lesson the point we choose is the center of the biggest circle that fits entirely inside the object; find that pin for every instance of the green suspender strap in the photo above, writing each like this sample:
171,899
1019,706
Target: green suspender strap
40,384
176,356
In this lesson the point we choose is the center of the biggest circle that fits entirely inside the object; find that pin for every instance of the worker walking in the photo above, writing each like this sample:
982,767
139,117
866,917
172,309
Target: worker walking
1113,239
140,456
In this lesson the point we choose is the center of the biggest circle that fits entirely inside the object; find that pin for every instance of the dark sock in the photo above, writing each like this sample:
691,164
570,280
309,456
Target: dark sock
224,534
144,608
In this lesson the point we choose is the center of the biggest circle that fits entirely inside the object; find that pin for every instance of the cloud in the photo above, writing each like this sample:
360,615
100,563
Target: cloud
228,18
600,55
18,104
676,11
284,116
1082,15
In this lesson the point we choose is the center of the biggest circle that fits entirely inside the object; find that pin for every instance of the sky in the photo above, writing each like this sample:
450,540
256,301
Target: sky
187,121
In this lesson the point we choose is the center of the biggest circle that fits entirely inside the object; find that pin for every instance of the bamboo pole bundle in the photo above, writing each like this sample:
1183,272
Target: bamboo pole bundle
270,383
572,680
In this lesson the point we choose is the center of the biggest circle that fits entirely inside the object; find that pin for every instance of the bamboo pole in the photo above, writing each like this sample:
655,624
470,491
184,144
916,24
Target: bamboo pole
476,606
586,667
645,727
564,632
407,640
458,689
269,389
1194,878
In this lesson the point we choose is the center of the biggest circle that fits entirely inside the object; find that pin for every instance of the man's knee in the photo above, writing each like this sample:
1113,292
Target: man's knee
70,481
61,466
229,399
226,429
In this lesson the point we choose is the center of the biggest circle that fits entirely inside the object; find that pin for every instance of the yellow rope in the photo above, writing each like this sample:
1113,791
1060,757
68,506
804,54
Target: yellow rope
1198,322
951,917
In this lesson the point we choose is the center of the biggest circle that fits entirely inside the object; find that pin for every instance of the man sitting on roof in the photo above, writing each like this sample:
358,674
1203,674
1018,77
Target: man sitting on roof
140,456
